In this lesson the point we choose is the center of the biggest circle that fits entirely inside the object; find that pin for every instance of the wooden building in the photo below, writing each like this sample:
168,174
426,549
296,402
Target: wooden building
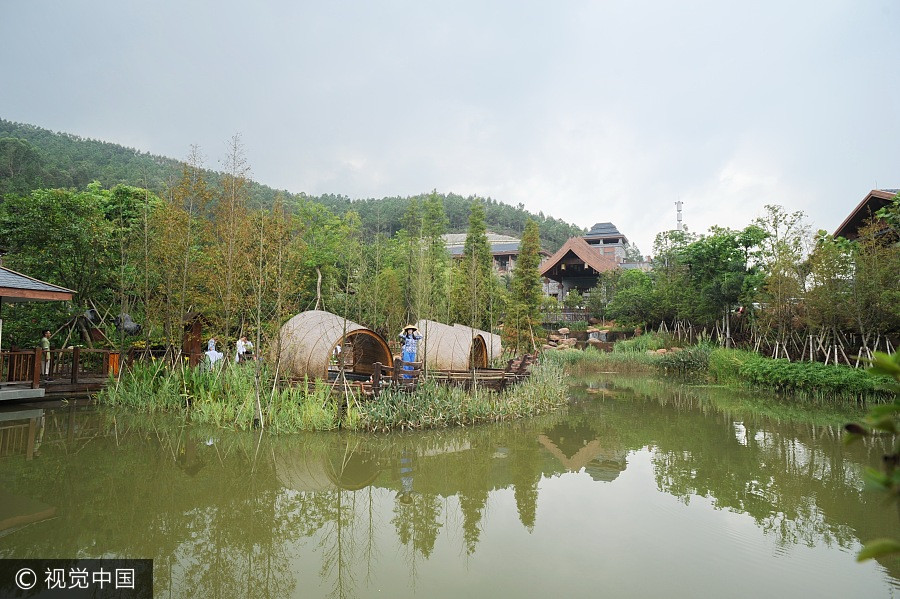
874,201
579,262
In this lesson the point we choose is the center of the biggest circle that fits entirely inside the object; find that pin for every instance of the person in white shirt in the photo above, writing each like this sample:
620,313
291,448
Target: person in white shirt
244,349
211,352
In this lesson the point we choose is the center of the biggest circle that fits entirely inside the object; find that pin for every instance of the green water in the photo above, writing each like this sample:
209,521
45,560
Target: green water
637,489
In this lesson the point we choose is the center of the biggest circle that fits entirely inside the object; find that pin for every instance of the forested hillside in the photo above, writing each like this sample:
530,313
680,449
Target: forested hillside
33,158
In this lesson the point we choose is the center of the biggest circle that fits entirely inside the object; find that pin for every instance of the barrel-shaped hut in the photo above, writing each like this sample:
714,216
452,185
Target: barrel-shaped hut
491,341
317,344
446,347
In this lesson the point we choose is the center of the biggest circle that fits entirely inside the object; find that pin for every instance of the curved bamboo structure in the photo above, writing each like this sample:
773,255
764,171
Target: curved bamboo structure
491,341
309,471
446,347
308,342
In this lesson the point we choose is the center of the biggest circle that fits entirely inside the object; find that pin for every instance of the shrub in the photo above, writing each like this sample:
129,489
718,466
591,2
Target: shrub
811,378
690,360
642,343
725,364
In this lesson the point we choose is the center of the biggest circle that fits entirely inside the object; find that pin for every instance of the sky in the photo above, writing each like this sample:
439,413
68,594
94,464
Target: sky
587,111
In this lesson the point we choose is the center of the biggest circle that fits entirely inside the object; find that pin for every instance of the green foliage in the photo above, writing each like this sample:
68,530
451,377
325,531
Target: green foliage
811,379
226,397
523,309
633,302
20,167
590,360
882,419
685,362
475,289
573,300
725,364
63,160
643,343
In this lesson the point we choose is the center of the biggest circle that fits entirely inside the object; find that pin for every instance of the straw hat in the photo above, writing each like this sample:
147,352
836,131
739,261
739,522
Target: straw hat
408,327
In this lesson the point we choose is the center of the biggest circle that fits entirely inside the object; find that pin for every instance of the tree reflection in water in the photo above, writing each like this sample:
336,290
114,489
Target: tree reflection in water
242,514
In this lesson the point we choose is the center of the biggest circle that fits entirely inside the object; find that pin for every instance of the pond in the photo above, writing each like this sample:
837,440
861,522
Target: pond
638,489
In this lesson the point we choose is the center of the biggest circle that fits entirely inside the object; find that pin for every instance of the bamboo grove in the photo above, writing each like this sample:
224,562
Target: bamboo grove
198,247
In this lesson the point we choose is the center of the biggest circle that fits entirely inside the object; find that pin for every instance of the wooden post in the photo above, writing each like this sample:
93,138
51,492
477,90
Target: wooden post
398,364
376,379
76,364
105,370
32,427
36,371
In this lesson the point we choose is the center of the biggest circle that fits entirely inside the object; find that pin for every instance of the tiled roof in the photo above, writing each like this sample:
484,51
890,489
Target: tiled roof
603,229
874,200
496,248
17,282
581,248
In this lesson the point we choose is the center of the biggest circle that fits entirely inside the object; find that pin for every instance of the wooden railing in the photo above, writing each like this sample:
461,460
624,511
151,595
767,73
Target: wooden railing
71,364
566,315
21,367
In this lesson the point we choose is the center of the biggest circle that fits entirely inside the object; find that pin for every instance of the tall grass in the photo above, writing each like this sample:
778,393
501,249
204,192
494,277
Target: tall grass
433,406
643,343
226,397
689,361
591,360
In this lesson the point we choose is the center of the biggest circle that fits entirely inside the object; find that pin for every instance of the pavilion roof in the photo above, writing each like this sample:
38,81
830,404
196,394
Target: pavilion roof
591,256
16,287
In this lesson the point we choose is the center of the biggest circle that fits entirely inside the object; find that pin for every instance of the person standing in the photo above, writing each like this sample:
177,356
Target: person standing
212,353
410,339
243,349
45,354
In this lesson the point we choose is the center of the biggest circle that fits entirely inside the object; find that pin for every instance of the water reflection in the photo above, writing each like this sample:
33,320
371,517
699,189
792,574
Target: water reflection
344,515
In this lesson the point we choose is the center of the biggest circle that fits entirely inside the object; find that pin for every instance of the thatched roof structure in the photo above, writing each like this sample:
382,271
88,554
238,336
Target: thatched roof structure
491,341
308,342
445,347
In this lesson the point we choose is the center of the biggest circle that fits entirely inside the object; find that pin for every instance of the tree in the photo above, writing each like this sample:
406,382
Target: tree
231,235
473,285
20,167
783,258
632,303
523,311
717,270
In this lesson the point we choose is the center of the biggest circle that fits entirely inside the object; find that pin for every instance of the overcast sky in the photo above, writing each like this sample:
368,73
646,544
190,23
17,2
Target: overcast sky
587,111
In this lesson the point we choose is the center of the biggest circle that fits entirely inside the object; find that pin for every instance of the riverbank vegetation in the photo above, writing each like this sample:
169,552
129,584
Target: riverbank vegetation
242,397
773,286
708,363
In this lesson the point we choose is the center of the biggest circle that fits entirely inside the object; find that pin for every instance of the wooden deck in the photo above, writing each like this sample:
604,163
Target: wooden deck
71,372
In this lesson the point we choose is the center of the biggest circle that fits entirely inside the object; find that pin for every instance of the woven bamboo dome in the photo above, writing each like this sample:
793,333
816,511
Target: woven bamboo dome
308,342
491,341
450,348
308,471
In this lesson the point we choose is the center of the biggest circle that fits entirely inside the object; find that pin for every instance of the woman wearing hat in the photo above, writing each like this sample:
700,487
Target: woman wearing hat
410,340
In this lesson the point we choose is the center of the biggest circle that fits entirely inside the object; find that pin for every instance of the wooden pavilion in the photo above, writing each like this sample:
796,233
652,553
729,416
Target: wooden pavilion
577,265
16,287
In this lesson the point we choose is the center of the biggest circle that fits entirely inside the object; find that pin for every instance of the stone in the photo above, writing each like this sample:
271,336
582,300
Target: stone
564,331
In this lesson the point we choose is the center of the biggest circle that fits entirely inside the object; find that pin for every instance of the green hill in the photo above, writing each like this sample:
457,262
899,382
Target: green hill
34,158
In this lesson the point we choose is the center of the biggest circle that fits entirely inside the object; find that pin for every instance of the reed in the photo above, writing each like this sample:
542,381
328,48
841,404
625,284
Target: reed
593,361
226,397
436,406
